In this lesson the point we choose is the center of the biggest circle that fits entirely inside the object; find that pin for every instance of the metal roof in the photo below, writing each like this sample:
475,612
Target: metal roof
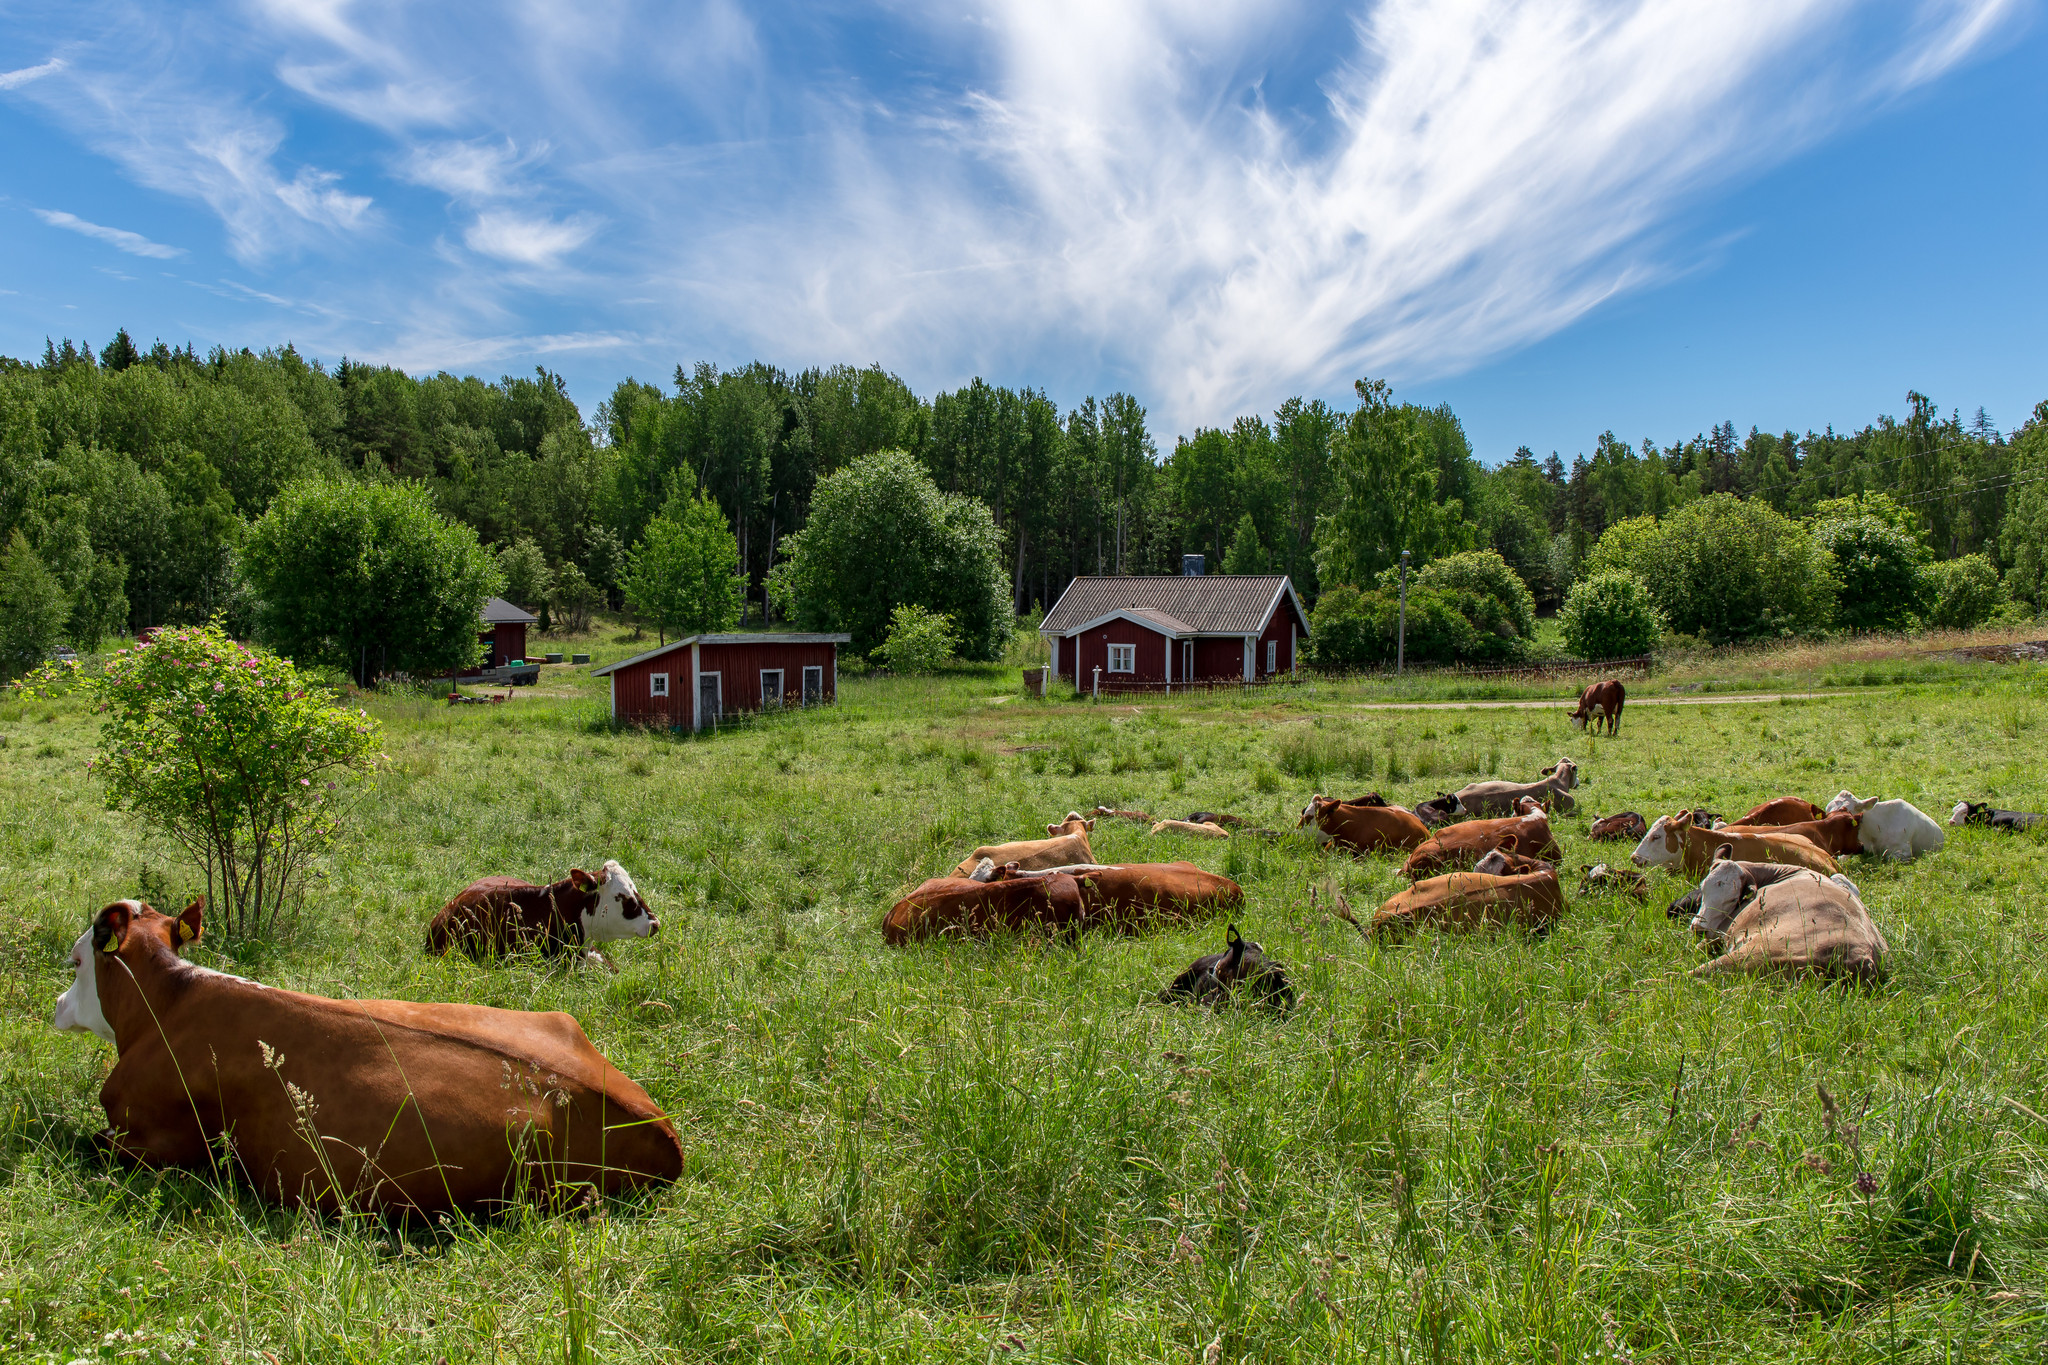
1212,604
498,612
739,638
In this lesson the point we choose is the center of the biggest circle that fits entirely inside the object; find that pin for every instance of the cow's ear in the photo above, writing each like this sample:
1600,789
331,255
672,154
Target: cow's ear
1088,824
580,879
110,927
1724,852
1231,938
192,922
1510,842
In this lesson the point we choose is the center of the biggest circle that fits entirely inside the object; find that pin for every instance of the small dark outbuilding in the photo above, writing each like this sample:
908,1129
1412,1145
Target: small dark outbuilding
688,684
504,634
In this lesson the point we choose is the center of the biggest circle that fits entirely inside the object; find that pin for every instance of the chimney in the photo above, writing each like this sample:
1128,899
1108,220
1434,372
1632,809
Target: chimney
1191,566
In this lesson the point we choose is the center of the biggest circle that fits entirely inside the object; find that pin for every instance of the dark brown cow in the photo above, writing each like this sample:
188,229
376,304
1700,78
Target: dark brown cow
1067,843
1781,810
1836,833
495,915
1461,845
1365,826
375,1104
1127,898
1601,701
1464,901
1626,825
1215,980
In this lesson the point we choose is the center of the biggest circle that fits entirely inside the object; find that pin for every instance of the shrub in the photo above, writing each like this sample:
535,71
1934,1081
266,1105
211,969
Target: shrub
32,607
1610,616
1961,593
919,641
527,576
685,571
1726,569
1352,629
1879,568
573,597
1486,574
233,754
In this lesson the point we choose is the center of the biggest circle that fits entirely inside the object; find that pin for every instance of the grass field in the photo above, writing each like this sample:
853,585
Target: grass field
1475,1149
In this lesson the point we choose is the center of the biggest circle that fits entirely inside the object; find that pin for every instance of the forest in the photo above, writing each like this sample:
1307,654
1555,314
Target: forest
130,478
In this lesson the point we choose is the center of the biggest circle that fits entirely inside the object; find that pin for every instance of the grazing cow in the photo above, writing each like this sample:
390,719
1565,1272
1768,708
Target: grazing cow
1836,833
1501,798
495,915
1201,829
1365,826
1799,924
1896,829
1456,845
373,1104
1471,900
1506,862
1439,811
1626,825
1674,841
1068,843
1601,701
1983,813
1215,979
1783,810
1112,813
1124,897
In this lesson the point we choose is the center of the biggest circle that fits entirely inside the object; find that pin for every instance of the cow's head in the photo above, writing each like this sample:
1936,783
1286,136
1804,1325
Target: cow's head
1722,892
1848,801
1566,772
1211,980
1966,811
616,909
1310,813
1579,716
1075,823
1528,806
79,1009
1662,845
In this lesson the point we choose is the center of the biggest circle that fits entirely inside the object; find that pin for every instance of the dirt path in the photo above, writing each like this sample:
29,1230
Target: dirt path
1632,702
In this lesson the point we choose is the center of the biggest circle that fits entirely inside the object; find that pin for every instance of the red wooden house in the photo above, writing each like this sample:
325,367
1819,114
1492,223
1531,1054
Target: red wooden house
504,634
688,684
1165,630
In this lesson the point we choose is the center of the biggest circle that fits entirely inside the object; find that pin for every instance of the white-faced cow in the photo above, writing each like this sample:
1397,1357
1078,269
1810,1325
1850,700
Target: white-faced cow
1985,814
374,1104
1788,920
495,915
1601,701
1898,830
1501,798
1674,841
1067,842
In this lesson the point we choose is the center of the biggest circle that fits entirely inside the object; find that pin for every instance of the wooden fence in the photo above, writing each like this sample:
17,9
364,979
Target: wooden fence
1640,666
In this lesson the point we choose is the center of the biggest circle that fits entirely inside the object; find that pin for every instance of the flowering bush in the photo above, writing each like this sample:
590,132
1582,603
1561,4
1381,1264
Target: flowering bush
234,755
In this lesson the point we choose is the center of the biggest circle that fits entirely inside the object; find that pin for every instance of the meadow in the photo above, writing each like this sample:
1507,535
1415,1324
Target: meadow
1497,1148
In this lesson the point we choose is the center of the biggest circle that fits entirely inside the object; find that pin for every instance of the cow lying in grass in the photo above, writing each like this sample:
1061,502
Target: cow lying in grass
495,915
1626,825
1463,901
1365,825
1456,845
1675,842
372,1104
1781,810
1898,830
1126,898
1501,798
1836,833
1438,811
1983,813
1067,842
1201,829
1772,917
1242,966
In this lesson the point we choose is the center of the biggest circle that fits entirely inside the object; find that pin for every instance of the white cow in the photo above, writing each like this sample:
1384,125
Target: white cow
1897,829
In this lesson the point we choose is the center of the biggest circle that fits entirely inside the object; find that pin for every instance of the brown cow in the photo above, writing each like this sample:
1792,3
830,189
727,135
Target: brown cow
1126,898
1626,825
1458,845
1801,923
1675,841
1601,701
1497,798
376,1104
494,915
1472,900
1201,829
1068,843
1781,810
1836,833
1365,826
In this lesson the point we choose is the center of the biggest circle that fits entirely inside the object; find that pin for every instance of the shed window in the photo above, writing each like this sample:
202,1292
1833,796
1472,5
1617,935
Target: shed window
657,684
1123,658
1272,655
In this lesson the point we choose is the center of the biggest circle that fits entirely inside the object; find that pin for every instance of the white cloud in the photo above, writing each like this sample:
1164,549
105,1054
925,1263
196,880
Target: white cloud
523,240
9,80
468,170
134,243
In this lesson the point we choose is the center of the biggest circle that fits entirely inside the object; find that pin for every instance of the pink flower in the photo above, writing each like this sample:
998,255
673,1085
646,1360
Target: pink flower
305,782
199,710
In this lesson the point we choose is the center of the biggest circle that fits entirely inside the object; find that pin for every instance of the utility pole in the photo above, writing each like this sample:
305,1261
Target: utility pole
1401,635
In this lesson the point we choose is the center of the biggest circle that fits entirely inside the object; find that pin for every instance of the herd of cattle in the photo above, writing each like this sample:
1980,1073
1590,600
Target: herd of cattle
403,1106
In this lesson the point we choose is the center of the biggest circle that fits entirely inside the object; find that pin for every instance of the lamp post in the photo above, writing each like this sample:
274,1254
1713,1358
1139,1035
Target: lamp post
1401,630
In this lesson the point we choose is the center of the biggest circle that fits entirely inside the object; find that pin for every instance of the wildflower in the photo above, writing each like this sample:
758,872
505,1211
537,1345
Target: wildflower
1866,1184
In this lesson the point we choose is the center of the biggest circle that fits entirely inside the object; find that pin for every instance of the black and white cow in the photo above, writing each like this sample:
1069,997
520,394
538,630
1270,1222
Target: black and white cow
1983,813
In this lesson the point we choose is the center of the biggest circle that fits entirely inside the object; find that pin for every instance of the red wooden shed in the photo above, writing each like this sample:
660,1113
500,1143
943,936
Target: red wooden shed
688,684
1166,629
504,634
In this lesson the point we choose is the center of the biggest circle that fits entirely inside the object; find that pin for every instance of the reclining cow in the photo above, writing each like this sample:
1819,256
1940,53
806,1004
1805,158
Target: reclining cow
1462,901
496,915
1836,833
1675,842
1781,810
1366,825
1215,980
1777,918
1201,829
1501,798
1506,862
1438,811
1067,842
1983,813
1456,845
1125,897
1626,825
373,1104
1600,701
1898,830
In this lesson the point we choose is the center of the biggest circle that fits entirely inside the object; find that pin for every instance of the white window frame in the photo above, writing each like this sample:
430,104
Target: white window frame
804,695
1129,655
657,685
1272,656
781,686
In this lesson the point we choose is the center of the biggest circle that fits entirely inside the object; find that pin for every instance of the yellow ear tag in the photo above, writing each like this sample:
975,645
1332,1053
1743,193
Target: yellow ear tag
185,933
113,946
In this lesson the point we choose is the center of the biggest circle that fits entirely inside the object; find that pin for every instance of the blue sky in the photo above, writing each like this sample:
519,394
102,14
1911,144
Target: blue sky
1559,217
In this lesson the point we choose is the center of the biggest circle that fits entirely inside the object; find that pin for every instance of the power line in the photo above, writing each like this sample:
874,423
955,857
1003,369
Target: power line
1993,486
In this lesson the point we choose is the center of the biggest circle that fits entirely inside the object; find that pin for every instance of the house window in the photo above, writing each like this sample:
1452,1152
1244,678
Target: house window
1123,658
814,685
658,684
771,687
1272,655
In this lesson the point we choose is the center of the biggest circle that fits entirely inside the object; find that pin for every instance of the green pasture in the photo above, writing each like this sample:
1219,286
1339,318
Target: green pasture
1455,1149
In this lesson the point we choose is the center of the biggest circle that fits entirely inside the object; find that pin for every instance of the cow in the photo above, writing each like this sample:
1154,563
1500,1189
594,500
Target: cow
1201,829
1455,845
1112,813
1803,923
1501,798
1471,900
1895,829
1624,881
1675,841
1782,810
1067,842
1125,897
496,915
1836,833
1731,882
382,1105
1366,826
1505,862
1626,825
1983,813
1214,980
1236,824
1601,701
1438,811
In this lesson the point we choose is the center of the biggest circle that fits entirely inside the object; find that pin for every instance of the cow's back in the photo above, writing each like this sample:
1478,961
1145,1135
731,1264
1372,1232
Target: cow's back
1134,895
1803,924
1834,833
960,905
1369,829
1782,810
490,915
1463,901
1700,845
1031,855
1469,842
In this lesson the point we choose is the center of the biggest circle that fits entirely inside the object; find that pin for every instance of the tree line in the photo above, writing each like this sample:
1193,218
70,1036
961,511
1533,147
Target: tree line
130,480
